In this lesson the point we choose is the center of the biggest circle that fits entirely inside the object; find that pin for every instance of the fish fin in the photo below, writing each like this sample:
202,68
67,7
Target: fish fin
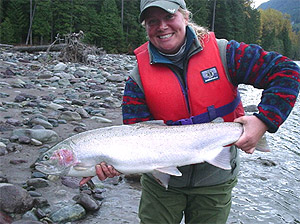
170,170
222,160
80,167
263,145
161,178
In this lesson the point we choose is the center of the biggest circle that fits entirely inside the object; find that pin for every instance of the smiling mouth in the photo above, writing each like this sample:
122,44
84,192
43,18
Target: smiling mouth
165,36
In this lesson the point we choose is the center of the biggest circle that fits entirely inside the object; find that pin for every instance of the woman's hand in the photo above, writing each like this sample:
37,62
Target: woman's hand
254,129
103,171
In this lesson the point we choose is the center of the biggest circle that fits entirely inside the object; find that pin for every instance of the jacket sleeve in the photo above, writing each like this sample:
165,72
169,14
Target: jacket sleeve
276,74
134,107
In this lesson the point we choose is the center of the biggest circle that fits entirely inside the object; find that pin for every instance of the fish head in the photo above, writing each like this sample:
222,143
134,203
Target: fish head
57,160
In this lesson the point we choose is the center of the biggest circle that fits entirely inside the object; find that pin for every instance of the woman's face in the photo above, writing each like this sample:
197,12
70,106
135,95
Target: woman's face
166,31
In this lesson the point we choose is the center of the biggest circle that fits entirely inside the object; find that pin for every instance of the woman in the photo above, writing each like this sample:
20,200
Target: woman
185,75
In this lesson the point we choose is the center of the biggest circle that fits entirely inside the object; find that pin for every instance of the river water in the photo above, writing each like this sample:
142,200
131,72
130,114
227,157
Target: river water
268,190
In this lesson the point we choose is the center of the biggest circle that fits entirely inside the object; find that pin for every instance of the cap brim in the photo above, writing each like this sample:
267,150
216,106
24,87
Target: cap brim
170,7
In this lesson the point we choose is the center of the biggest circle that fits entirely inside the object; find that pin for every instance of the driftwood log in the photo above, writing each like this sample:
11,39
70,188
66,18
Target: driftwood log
31,49
6,46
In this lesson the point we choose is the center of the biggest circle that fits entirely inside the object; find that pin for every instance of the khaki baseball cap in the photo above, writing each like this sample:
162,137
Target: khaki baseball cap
170,6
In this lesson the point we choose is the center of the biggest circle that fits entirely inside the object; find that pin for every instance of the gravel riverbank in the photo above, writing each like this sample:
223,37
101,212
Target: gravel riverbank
45,102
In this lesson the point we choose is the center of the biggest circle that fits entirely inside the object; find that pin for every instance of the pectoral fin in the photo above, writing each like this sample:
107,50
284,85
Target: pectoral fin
162,175
80,167
222,160
170,170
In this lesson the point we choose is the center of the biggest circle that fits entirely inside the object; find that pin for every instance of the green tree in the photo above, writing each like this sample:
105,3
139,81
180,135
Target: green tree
61,20
7,32
87,19
252,24
93,28
41,26
111,34
286,41
223,26
1,11
199,11
133,31
237,19
18,14
276,32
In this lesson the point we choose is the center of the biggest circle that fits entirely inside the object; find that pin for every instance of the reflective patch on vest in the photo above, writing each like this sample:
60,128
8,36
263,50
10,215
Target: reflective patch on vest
210,75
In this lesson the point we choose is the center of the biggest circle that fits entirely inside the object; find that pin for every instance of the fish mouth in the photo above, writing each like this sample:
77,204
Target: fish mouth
48,169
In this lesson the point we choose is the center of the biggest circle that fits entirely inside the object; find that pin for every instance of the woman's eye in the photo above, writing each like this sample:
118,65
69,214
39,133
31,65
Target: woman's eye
170,16
151,22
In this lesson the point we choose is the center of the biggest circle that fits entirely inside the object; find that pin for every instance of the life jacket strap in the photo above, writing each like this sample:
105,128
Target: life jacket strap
211,114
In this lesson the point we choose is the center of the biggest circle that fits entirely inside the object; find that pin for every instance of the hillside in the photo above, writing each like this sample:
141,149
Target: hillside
291,7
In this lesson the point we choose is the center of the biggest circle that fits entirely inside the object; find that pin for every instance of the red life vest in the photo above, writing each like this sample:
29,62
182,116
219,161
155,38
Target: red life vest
208,93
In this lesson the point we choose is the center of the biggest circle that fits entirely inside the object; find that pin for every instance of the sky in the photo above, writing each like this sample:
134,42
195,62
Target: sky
258,2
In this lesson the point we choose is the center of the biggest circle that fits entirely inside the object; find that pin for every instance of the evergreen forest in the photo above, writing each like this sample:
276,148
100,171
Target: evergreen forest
114,26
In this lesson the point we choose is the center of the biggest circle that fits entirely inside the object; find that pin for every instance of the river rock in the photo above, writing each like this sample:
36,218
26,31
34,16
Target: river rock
70,116
37,174
45,75
82,112
60,67
55,106
42,122
12,105
251,108
35,142
80,129
17,161
37,183
34,194
101,93
101,119
3,150
24,140
68,214
14,199
41,202
13,147
14,122
5,126
45,136
30,215
88,202
116,78
18,83
71,182
4,95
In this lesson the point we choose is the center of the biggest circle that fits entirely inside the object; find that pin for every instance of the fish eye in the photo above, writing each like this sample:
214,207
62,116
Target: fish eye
46,157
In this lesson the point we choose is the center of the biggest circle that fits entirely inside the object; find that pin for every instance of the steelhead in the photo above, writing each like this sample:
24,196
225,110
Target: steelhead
147,147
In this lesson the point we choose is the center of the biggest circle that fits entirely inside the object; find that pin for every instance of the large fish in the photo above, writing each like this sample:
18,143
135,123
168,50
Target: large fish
148,147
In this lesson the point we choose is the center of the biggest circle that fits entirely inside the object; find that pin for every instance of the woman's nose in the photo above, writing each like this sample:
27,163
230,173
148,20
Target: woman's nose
163,25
